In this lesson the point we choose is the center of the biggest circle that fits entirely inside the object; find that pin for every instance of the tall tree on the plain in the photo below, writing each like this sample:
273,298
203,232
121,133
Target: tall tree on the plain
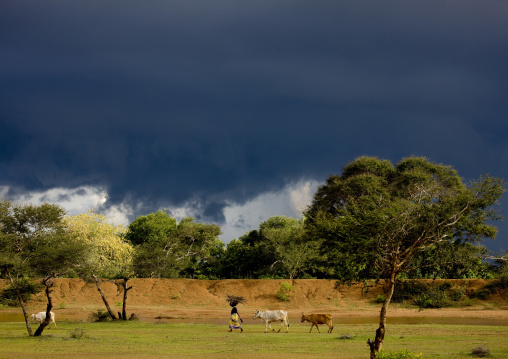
34,244
110,255
376,217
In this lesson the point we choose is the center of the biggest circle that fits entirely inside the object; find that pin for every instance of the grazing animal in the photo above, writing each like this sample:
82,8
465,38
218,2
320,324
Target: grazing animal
316,319
39,318
270,316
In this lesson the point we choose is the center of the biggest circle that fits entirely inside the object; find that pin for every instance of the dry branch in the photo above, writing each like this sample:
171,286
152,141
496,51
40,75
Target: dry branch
233,300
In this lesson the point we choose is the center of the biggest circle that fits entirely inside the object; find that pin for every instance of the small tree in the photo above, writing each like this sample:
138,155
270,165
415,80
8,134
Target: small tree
377,217
110,254
35,244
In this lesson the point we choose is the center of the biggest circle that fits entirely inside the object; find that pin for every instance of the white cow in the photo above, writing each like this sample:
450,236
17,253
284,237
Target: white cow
39,318
270,316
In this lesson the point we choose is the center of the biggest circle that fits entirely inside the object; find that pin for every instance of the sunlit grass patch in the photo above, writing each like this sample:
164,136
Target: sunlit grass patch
127,339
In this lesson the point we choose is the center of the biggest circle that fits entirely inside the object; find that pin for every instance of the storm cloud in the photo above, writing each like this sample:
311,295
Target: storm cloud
204,106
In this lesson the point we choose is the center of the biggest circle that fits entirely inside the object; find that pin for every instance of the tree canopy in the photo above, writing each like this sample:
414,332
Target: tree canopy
376,218
171,251
110,255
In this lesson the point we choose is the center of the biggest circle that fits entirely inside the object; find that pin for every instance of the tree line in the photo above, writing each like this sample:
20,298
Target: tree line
375,220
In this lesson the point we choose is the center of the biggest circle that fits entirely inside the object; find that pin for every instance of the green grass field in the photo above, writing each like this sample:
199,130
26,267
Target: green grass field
161,340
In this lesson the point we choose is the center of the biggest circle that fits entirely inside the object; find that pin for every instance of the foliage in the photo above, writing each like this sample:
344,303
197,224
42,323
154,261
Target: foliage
153,227
22,287
375,219
279,249
110,256
375,209
100,316
34,243
293,252
450,260
402,354
426,295
285,292
179,253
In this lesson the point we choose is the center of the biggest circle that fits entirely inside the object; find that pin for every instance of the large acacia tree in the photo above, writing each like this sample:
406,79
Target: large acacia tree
375,218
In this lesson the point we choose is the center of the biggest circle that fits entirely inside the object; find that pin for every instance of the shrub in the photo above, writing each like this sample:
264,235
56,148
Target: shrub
403,354
100,316
380,298
498,286
457,294
285,292
482,294
78,333
432,299
27,288
480,352
427,295
407,290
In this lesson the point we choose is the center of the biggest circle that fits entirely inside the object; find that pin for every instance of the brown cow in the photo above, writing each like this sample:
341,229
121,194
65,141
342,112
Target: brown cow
316,319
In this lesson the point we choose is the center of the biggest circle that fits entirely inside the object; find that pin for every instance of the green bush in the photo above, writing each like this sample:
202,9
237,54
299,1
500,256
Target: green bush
428,295
408,290
285,292
100,316
434,298
380,298
78,333
457,294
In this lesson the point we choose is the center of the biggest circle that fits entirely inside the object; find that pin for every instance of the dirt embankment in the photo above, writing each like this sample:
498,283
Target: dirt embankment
188,298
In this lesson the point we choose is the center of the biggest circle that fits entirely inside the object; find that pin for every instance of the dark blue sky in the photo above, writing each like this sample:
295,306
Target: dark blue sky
212,108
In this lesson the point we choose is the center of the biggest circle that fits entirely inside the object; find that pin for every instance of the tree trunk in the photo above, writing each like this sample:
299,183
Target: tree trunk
48,282
97,283
376,344
25,314
23,308
125,289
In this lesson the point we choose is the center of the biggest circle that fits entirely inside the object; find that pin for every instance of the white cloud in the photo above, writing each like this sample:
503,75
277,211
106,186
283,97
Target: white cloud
239,218
289,202
75,201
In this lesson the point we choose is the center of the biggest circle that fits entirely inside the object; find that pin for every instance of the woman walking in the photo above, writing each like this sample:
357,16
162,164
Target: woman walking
235,319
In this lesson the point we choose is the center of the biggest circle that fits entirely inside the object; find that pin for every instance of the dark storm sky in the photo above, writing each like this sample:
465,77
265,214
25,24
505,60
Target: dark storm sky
163,103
